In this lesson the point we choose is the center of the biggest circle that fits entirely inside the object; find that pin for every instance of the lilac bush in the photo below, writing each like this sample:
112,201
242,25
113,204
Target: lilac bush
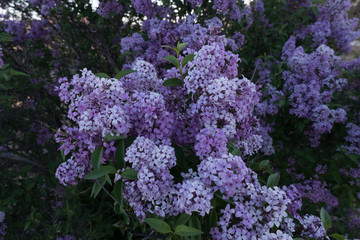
191,119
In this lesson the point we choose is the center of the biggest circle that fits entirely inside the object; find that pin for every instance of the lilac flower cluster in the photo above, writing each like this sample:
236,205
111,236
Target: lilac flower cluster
46,5
3,226
108,7
311,82
67,237
1,60
42,132
211,109
332,24
353,138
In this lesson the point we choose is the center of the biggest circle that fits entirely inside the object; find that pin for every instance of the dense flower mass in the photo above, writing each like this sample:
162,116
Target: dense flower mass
237,118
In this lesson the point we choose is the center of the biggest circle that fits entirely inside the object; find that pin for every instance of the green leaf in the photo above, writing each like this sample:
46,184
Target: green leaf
96,157
118,191
172,82
123,73
195,223
264,164
181,46
182,219
273,180
27,225
63,155
100,172
96,188
298,239
102,75
17,73
337,236
5,37
110,137
187,59
185,231
172,59
130,174
325,218
213,218
120,154
166,46
158,225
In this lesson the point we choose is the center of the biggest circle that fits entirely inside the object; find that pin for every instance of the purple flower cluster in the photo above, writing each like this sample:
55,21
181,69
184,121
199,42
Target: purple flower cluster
42,132
332,24
311,82
3,226
67,237
1,60
108,7
353,138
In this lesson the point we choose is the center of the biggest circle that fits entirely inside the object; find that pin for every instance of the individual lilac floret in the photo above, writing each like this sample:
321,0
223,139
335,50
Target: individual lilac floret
70,172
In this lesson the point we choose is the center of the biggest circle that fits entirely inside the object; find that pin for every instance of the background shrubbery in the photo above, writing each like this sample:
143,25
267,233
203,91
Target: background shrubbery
261,90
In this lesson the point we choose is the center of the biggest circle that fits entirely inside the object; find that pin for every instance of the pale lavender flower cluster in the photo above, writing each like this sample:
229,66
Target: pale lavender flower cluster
42,132
96,104
107,7
67,237
311,82
46,5
353,138
3,225
212,108
332,24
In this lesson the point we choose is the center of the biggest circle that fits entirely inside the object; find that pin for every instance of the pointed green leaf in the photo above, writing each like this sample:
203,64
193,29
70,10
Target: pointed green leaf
102,75
118,191
96,188
325,218
123,73
181,46
96,157
173,60
166,46
130,174
213,218
120,154
195,223
5,37
273,180
158,225
187,59
185,231
17,73
337,236
100,172
112,137
172,82
182,219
